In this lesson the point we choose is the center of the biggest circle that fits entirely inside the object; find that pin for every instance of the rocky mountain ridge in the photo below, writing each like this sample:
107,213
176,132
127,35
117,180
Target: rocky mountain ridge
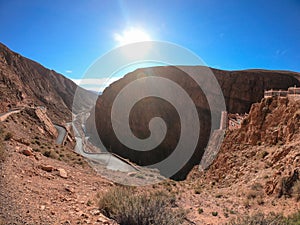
25,82
240,89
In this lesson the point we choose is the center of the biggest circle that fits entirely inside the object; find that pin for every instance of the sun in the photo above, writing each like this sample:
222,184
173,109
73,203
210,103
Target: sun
131,35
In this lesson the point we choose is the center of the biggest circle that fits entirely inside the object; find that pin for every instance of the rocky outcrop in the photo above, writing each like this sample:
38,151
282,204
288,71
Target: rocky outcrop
240,88
25,82
272,121
47,123
265,149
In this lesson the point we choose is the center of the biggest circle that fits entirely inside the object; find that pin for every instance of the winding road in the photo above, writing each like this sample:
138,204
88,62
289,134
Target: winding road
111,161
61,134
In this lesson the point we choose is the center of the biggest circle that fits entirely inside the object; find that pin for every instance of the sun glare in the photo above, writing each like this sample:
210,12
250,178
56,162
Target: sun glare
131,35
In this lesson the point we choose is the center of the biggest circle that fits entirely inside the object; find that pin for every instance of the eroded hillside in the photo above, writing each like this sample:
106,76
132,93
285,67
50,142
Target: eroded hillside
257,168
24,82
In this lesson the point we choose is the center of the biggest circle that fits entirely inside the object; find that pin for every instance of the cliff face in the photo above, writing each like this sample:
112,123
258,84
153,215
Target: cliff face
265,149
272,121
23,82
240,89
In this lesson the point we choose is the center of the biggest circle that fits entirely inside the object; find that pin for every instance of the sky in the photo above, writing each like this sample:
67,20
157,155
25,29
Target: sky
68,36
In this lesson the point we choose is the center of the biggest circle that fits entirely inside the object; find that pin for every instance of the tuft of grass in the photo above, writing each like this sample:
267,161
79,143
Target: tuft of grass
129,208
89,203
200,210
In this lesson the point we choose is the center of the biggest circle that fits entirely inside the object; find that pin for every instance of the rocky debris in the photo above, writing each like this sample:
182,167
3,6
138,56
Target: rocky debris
28,195
69,189
272,121
23,141
47,168
95,212
62,173
266,149
27,152
105,221
41,113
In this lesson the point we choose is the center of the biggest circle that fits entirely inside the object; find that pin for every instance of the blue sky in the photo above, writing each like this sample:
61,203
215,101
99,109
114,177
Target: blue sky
68,36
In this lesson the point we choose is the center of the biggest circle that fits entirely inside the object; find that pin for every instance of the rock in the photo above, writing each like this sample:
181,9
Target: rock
43,207
47,168
69,189
95,212
104,220
27,152
62,173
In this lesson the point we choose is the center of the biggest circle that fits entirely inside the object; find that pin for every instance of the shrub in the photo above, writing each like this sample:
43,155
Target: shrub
271,219
47,153
214,213
200,211
129,208
294,219
263,154
8,136
2,153
50,154
296,190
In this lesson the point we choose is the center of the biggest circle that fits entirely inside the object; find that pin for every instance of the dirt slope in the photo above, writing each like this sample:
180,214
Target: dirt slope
252,173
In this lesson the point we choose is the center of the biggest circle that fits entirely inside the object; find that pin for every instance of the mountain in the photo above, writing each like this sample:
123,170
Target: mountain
25,82
240,89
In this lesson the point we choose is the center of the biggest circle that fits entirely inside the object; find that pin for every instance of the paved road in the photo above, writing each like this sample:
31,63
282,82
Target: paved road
61,130
110,161
61,134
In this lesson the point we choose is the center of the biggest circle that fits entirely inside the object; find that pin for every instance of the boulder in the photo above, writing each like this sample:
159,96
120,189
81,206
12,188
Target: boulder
62,173
27,152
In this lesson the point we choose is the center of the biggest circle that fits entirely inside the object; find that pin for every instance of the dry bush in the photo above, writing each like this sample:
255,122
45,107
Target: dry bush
296,190
128,208
271,219
2,152
8,136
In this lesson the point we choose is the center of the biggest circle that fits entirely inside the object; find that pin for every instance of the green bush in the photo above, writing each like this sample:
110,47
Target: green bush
214,213
128,208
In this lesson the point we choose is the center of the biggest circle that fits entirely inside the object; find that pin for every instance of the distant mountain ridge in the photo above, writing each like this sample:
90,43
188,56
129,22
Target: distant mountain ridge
26,82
